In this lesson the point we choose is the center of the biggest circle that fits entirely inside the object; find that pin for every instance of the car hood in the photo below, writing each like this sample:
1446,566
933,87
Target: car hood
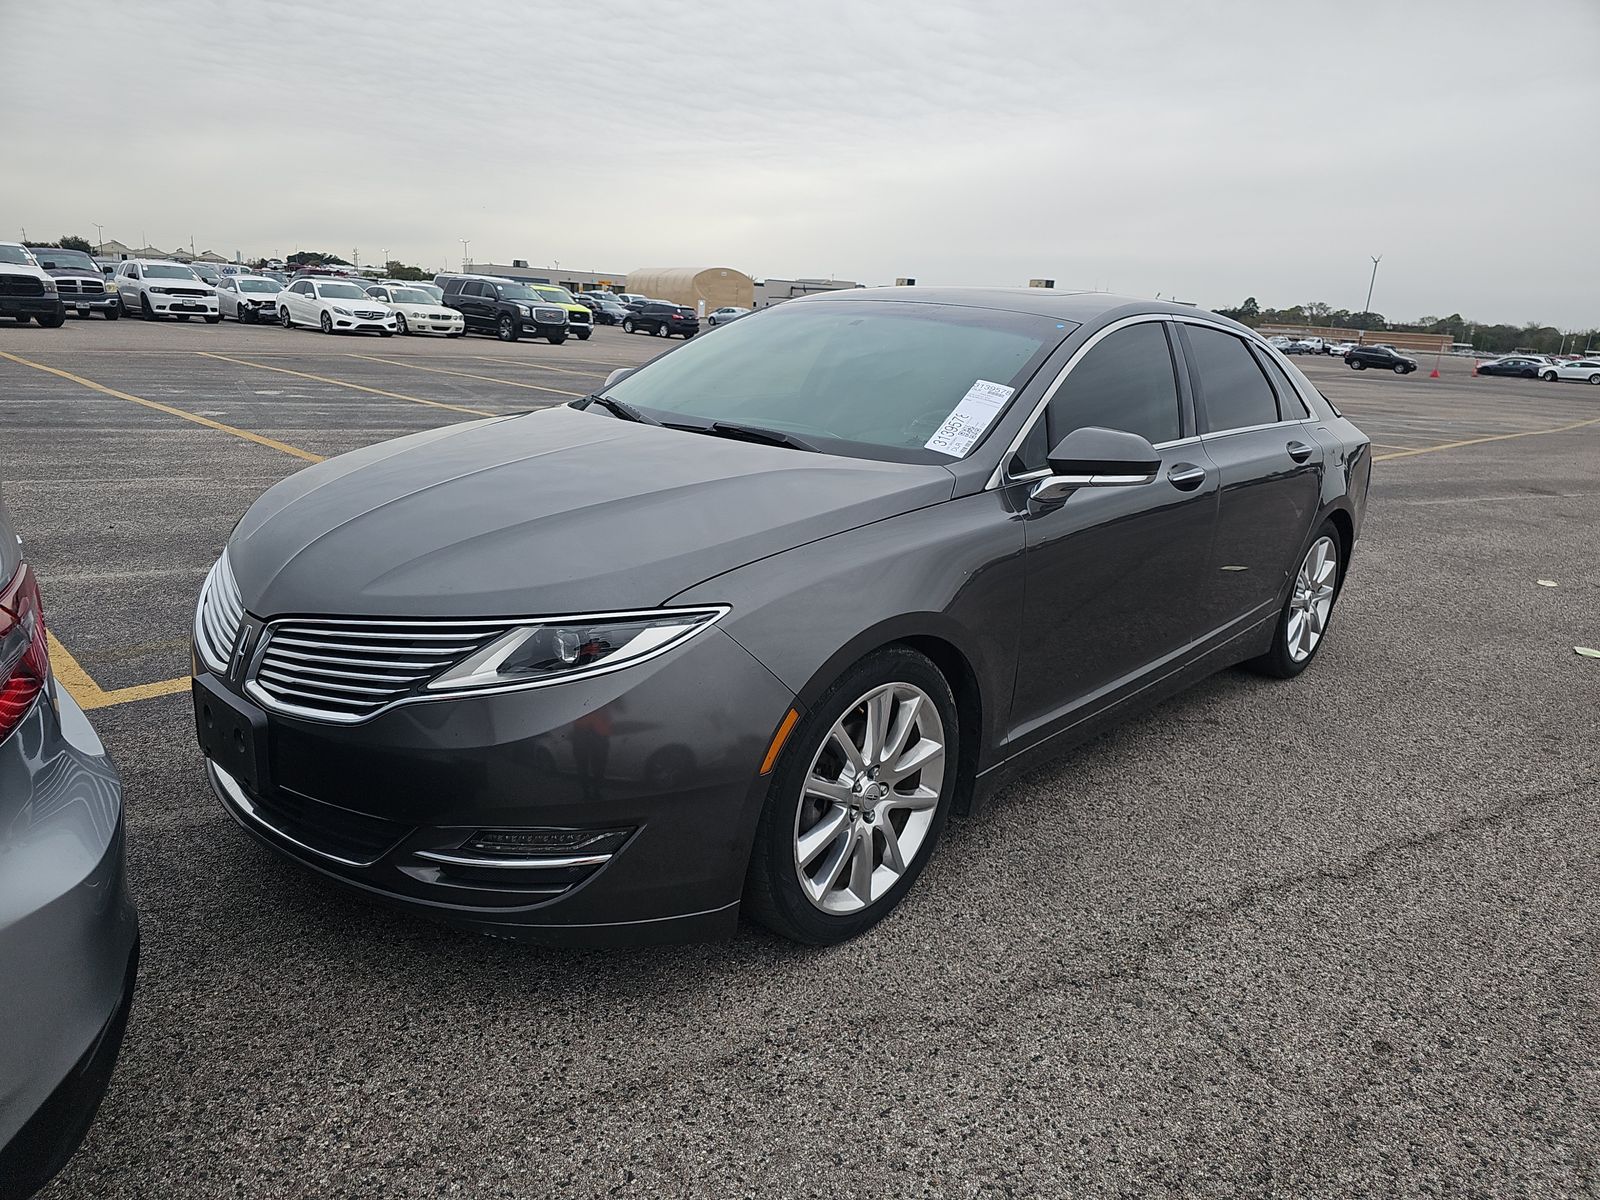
558,511
73,273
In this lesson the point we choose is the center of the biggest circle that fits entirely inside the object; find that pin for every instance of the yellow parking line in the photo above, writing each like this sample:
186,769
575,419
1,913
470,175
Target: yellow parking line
70,674
532,387
270,443
357,387
535,365
1478,441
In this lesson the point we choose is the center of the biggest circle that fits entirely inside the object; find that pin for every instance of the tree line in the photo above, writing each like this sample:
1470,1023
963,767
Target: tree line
1490,339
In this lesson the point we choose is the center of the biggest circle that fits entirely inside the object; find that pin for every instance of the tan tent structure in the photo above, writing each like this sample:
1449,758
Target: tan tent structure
716,287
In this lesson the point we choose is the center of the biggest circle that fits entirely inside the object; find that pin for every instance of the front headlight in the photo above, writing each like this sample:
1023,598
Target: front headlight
343,312
50,285
564,648
525,310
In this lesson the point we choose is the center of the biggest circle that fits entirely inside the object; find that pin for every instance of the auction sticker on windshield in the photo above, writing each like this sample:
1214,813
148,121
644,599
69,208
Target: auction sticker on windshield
966,423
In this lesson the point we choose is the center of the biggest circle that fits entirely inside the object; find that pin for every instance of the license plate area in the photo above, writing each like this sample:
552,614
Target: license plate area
233,735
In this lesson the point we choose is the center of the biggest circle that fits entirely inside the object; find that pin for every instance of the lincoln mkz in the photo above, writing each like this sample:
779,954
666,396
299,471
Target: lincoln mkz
741,630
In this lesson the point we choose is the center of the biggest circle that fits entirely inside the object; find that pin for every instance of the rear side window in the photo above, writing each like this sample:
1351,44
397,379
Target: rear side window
1235,391
1126,382
1290,406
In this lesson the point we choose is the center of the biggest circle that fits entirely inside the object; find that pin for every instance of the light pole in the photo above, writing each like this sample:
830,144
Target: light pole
1372,283
99,237
464,244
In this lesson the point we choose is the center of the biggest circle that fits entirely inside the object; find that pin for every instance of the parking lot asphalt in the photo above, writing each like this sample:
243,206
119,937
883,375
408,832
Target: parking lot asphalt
1330,936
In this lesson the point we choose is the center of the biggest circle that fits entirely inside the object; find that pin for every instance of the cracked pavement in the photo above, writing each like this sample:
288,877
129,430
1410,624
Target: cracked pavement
1324,937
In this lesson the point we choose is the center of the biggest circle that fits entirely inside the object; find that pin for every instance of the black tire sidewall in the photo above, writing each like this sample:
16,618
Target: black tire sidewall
772,892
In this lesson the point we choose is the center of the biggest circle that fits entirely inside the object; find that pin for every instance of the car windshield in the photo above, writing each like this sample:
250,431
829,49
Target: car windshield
880,376
15,254
557,295
409,296
64,260
256,285
340,291
168,271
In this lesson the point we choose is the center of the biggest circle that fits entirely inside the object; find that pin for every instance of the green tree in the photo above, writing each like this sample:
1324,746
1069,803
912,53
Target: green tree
395,269
71,241
315,258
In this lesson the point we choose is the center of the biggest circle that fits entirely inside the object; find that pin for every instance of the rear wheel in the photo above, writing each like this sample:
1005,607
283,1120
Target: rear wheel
506,330
1595,378
662,331
1305,615
858,801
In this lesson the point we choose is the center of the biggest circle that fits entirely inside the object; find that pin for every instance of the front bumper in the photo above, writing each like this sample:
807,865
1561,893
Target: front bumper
434,325
528,327
30,306
666,768
68,939
363,324
88,301
182,306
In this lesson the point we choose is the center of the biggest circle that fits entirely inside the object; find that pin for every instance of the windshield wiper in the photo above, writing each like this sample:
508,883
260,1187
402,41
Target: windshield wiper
620,408
755,433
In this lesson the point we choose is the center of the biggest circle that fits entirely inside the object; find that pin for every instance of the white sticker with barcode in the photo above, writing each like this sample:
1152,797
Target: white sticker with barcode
966,423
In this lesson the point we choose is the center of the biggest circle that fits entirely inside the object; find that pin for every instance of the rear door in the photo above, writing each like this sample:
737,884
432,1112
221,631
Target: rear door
1270,469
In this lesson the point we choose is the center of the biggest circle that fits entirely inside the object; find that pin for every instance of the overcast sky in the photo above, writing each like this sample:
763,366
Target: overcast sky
1207,150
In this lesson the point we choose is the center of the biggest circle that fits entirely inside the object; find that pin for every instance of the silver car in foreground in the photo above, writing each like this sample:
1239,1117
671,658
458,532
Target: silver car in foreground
69,936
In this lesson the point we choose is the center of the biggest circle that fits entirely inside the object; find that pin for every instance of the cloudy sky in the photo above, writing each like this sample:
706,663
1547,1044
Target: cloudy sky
1208,150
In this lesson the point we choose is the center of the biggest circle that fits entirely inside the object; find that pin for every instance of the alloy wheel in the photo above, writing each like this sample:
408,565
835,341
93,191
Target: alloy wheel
1312,599
400,323
870,798
327,323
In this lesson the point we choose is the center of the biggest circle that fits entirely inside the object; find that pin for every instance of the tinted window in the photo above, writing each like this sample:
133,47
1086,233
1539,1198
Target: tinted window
474,288
1236,392
1290,406
1126,382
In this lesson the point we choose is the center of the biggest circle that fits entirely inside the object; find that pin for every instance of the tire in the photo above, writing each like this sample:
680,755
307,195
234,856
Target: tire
1548,376
661,331
284,318
1595,378
51,320
506,329
122,306
214,320
452,335
555,339
774,893
1358,365
145,311
627,325
400,323
181,317
583,334
1401,369
385,333
1281,662
326,321
111,314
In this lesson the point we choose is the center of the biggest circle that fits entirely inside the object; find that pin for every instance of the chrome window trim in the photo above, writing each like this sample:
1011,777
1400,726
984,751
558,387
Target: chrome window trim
1222,433
998,477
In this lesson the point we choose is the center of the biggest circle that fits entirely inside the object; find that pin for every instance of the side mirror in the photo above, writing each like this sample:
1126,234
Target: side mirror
618,375
1094,457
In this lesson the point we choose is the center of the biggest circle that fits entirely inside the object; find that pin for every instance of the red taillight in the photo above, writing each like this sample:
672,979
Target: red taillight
24,656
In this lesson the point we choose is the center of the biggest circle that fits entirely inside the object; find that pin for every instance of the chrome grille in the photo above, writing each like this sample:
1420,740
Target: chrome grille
217,619
93,287
346,670
368,314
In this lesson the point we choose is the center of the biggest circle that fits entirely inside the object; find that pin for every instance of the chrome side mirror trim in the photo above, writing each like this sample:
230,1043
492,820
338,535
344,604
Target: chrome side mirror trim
1052,489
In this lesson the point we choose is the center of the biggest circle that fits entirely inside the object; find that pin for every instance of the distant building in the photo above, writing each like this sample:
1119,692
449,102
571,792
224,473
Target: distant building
774,291
573,281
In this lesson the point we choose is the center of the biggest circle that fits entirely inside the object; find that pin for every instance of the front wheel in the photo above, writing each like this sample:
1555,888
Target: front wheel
400,323
858,801
1401,368
114,312
1548,377
555,339
283,315
506,330
583,335
1305,615
53,320
327,323
627,326
1595,378
145,311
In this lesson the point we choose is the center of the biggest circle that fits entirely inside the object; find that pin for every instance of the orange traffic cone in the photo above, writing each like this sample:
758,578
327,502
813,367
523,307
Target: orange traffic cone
1433,374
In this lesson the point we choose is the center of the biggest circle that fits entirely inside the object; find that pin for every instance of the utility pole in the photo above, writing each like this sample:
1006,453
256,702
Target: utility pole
1373,283
100,237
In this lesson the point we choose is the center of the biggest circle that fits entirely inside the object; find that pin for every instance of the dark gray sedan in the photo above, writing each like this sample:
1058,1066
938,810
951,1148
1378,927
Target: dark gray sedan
68,934
741,630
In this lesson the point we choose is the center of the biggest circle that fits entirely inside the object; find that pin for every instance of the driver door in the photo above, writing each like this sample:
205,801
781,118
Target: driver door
1113,573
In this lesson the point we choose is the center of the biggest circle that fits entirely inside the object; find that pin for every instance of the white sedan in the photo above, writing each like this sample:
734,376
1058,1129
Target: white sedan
1585,370
248,298
416,312
334,306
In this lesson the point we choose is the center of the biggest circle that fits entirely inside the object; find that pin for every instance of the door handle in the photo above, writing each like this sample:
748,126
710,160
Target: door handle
1186,476
1298,451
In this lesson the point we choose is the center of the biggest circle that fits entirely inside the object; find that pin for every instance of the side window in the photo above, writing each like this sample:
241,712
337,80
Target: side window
303,287
1290,406
1235,391
1126,382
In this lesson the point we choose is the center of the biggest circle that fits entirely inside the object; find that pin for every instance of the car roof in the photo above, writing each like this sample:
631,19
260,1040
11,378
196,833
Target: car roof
1078,307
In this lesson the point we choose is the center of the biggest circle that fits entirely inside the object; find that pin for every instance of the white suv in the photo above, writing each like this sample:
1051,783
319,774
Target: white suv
26,289
164,289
